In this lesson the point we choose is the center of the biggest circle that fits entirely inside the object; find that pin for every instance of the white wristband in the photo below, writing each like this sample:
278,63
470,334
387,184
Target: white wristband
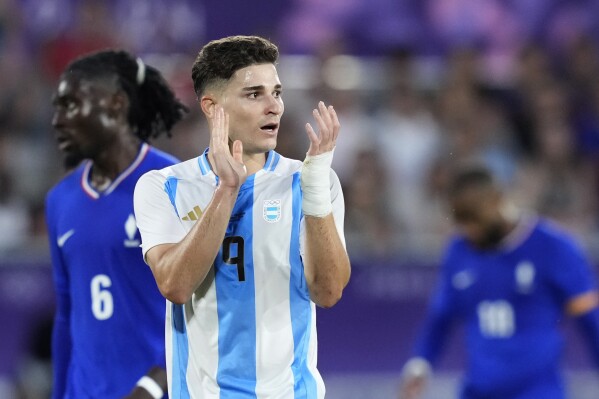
417,367
151,386
316,184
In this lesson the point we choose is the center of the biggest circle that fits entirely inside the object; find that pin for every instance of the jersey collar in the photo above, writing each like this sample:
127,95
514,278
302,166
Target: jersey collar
520,233
272,160
93,193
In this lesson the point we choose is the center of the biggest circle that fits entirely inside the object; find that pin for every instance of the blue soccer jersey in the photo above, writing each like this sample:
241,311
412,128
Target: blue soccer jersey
511,300
249,330
109,328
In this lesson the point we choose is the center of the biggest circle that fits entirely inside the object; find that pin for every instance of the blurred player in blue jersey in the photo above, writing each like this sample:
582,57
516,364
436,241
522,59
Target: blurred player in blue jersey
242,241
510,277
108,339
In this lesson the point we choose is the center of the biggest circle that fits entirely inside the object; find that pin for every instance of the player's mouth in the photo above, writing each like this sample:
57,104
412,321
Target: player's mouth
64,142
270,128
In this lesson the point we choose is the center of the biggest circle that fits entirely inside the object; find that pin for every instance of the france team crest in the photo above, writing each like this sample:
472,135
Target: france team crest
272,210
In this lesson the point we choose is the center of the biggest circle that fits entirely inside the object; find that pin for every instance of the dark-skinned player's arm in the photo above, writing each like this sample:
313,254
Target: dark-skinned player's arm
180,268
61,334
575,283
433,334
585,309
153,385
326,263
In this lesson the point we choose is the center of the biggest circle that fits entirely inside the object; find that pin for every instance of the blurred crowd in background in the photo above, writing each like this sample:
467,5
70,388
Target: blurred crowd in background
419,86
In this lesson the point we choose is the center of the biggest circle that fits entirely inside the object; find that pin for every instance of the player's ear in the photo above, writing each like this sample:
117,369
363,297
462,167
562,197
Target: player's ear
119,102
207,104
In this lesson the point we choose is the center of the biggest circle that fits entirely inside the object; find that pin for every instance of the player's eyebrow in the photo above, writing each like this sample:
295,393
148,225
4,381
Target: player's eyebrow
253,88
57,98
260,87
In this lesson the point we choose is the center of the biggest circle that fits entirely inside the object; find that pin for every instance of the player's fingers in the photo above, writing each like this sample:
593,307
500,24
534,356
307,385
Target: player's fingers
324,113
335,123
215,132
322,126
314,140
238,151
323,133
222,137
312,136
218,122
225,128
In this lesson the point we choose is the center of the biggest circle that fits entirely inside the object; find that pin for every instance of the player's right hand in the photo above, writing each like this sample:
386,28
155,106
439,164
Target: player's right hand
414,376
228,162
412,387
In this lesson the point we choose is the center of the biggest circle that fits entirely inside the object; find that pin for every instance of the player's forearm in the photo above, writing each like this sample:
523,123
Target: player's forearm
152,385
433,335
61,346
183,267
326,263
589,324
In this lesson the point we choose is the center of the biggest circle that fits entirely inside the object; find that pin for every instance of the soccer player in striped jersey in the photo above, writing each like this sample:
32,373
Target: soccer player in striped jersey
509,277
242,241
108,338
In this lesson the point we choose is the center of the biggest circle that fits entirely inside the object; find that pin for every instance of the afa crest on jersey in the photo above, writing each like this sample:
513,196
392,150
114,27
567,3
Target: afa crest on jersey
272,211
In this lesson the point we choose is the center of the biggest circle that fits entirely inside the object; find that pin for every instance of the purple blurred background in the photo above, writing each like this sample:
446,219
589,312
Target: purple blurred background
418,85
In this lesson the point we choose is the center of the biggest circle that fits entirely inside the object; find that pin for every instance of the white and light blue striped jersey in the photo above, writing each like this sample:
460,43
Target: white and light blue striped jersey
249,330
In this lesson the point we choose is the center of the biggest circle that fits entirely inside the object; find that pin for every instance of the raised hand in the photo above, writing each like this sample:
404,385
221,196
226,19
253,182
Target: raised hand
328,127
412,387
228,162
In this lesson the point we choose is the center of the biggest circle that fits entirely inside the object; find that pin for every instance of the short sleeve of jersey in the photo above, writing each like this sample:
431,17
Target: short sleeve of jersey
338,203
156,216
571,272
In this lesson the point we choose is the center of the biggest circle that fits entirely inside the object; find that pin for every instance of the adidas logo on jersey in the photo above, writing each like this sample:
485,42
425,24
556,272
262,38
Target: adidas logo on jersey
193,215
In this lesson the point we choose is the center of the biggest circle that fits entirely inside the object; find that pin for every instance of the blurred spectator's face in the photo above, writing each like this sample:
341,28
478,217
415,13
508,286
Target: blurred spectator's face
252,98
84,113
476,212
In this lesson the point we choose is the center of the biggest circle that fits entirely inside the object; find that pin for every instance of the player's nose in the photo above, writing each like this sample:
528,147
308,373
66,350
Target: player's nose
57,120
274,106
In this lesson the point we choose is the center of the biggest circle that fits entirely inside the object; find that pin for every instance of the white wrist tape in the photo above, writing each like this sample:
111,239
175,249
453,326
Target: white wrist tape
316,184
417,367
151,386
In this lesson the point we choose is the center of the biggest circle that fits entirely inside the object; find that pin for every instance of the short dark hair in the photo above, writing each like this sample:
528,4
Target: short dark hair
220,59
153,107
469,176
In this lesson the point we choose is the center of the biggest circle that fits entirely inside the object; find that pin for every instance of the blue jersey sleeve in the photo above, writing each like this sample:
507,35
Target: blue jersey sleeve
571,273
441,313
589,326
61,338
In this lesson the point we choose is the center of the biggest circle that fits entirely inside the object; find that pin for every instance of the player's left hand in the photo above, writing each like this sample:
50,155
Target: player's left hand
328,130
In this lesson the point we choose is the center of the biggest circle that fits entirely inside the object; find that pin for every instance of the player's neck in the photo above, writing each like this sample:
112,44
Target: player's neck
254,162
112,161
511,217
